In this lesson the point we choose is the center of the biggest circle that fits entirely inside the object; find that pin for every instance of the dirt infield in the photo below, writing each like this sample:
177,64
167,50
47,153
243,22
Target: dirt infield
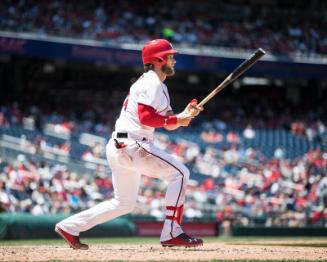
151,252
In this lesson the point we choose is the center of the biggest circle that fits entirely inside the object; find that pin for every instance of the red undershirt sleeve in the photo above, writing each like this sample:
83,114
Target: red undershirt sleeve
149,117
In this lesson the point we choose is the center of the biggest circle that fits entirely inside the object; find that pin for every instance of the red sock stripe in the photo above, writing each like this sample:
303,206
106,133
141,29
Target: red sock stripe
178,213
171,218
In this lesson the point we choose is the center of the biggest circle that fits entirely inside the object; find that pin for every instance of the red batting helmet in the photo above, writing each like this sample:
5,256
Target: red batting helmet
156,51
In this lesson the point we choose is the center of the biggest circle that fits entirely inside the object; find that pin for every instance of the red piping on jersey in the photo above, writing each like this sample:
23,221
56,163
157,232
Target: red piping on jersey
149,117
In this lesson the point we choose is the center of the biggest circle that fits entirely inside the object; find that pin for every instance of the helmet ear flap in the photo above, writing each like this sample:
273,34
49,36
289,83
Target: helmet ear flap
157,61
160,60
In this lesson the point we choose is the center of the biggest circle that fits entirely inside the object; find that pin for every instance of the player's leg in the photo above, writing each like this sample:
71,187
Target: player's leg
126,187
162,165
126,184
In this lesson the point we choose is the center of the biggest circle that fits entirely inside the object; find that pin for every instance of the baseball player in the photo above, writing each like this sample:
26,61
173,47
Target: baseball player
131,152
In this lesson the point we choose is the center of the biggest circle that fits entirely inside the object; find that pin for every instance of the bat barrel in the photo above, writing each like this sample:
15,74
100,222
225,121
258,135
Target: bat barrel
261,51
235,74
247,63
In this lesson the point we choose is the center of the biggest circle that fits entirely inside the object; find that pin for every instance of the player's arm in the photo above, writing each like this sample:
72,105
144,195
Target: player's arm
171,127
149,117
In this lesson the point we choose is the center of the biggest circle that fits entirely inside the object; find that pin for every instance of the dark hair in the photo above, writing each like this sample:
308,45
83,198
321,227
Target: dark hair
148,67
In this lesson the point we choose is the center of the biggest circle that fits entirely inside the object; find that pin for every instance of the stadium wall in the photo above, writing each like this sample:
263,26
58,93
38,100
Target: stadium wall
27,226
279,231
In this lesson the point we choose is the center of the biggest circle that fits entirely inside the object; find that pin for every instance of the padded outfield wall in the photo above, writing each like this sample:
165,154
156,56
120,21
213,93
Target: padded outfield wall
26,226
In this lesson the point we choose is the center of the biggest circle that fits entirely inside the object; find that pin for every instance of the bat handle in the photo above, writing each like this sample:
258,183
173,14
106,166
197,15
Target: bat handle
216,90
204,101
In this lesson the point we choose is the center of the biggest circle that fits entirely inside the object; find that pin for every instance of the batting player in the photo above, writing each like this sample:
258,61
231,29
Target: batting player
131,152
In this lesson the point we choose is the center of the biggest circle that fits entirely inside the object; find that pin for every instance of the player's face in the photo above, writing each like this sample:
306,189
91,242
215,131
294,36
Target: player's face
168,68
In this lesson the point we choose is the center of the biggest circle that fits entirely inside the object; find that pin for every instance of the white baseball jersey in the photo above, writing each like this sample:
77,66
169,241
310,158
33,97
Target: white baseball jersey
147,90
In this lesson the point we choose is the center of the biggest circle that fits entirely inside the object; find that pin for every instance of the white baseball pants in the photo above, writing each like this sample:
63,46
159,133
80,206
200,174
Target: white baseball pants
127,165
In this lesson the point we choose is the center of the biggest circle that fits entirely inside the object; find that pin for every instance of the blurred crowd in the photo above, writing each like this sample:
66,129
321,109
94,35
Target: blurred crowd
298,29
244,189
231,183
236,123
42,188
305,119
94,120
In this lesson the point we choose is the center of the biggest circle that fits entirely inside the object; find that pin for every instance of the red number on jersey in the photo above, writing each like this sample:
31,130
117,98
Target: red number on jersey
126,102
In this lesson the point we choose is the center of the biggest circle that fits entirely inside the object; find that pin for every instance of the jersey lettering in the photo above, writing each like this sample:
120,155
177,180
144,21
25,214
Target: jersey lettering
126,102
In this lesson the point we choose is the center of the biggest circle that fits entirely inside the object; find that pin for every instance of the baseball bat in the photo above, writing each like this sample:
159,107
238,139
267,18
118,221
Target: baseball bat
235,74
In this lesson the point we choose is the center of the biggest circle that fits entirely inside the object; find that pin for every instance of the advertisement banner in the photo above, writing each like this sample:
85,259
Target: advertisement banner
131,58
